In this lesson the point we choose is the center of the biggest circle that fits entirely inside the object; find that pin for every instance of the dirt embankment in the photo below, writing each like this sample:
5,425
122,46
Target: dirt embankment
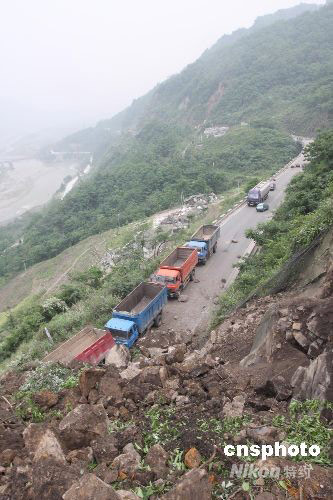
155,426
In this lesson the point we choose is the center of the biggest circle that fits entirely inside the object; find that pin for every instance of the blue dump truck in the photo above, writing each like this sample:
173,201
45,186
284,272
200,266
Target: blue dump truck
136,313
205,241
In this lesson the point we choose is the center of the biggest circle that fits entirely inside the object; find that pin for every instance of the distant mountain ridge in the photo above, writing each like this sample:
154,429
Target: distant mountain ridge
184,95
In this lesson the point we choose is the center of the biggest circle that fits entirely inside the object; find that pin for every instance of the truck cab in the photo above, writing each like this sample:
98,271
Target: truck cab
123,331
170,278
201,248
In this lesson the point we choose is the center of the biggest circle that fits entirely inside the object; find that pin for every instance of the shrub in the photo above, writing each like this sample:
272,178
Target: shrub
53,306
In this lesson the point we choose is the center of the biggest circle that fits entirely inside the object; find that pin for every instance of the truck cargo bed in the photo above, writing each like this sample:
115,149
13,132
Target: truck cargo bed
177,258
138,299
74,346
205,232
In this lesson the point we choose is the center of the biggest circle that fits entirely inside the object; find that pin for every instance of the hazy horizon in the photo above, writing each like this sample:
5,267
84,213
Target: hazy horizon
70,64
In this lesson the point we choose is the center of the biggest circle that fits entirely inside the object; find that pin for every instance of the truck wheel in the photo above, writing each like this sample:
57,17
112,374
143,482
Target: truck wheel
214,248
192,275
158,320
177,295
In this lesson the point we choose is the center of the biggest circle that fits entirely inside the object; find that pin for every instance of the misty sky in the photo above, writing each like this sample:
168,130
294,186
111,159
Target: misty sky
72,62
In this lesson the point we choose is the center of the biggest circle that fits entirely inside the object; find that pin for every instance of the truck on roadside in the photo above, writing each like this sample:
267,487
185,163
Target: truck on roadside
204,241
137,313
258,194
176,270
89,345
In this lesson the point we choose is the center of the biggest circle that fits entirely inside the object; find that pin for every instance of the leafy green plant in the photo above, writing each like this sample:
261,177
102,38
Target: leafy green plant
27,409
118,425
306,426
92,465
48,376
145,492
176,460
161,430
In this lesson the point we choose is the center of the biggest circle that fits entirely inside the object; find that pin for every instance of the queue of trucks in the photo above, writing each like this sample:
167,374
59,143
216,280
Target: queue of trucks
142,308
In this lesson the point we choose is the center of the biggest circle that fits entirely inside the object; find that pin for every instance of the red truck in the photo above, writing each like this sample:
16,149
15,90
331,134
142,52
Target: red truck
90,345
177,270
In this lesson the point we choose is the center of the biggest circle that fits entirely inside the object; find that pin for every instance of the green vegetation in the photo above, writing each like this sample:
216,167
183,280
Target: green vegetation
89,299
146,492
160,431
163,153
304,425
306,213
146,174
51,377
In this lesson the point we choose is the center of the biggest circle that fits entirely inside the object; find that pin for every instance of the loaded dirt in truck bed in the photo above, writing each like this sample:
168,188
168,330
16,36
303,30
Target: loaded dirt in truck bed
72,347
178,263
141,305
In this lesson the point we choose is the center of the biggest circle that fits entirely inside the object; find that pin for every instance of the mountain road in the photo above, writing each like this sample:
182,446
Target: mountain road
219,272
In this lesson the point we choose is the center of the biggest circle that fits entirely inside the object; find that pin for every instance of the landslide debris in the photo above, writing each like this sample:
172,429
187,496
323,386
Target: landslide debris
155,426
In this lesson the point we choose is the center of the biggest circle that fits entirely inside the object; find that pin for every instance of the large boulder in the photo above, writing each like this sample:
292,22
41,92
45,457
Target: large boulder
194,485
234,408
263,435
176,354
316,380
50,479
150,375
118,356
132,371
83,424
90,487
46,399
32,435
49,447
110,389
263,343
128,462
89,378
157,458
104,449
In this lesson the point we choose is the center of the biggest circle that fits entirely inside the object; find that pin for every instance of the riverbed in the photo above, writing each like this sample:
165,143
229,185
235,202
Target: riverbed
30,183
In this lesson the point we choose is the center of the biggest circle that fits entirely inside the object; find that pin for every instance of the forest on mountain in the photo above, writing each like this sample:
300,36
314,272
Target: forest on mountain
263,83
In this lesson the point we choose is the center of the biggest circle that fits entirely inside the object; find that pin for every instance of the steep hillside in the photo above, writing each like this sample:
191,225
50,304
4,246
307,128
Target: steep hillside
186,417
275,78
145,174
279,67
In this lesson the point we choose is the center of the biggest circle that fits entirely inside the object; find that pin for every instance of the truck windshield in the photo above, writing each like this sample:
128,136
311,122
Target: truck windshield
119,334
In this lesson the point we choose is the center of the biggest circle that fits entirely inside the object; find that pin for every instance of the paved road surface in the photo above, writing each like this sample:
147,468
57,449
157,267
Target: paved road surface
195,314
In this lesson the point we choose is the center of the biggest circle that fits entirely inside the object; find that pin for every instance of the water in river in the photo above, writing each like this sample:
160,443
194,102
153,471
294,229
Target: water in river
29,183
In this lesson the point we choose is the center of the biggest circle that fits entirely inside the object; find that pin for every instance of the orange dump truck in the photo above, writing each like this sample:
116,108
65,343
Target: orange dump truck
177,270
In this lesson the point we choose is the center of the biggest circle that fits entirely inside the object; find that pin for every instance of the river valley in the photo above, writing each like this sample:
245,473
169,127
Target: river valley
28,183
